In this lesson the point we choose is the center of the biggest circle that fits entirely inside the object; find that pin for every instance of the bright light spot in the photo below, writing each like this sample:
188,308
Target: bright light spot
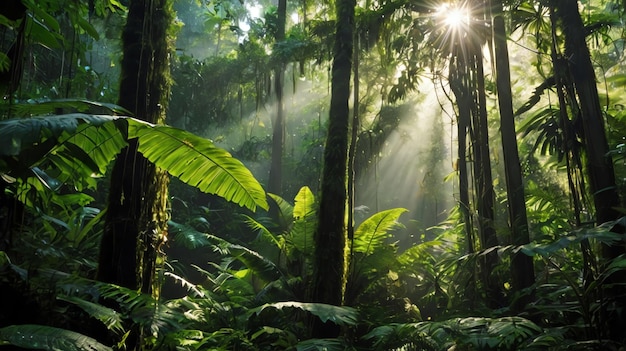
295,18
254,11
452,16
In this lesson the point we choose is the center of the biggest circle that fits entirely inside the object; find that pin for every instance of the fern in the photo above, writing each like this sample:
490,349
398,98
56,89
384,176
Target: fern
373,232
341,315
108,316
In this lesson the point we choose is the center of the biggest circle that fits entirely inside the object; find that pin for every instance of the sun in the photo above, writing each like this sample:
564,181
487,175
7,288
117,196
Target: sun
452,17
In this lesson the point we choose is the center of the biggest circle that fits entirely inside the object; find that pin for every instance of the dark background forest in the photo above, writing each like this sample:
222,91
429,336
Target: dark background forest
333,175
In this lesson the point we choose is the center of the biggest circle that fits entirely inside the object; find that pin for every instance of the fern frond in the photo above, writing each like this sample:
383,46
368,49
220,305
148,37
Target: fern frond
108,316
341,315
371,234
185,284
186,235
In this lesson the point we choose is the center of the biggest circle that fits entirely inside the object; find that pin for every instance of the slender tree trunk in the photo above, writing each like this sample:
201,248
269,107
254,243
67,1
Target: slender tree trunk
458,84
136,217
278,136
484,181
330,235
522,272
354,134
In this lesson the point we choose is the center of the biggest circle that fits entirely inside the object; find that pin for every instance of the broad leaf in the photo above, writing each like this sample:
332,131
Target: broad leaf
305,221
198,162
18,134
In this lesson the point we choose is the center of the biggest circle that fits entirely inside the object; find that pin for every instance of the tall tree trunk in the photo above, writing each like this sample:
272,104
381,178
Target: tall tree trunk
278,135
458,83
136,217
485,196
599,164
330,235
522,272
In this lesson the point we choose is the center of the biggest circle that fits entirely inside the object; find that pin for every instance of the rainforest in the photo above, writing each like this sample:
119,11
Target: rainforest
312,175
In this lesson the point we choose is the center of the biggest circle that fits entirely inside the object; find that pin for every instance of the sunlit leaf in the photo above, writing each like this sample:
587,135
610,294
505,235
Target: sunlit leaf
341,315
198,162
371,234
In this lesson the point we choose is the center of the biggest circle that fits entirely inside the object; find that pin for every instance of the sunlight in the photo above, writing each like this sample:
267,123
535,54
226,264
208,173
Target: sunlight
453,17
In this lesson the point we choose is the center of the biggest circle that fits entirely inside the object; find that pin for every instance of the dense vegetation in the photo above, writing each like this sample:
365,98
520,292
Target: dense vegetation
370,175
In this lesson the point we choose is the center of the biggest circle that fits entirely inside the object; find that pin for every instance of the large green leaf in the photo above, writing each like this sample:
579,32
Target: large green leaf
81,144
372,233
305,220
20,134
51,108
198,162
41,337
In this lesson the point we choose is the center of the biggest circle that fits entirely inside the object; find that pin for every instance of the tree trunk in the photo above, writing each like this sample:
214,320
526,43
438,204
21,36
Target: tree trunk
278,135
599,164
136,217
330,235
458,84
485,196
522,272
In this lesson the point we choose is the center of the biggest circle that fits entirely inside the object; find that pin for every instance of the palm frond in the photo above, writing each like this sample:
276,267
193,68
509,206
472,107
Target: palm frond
199,163
185,283
82,144
42,337
19,134
50,107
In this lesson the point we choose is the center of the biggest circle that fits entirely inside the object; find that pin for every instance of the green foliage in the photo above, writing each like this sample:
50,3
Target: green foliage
41,337
472,333
335,314
87,143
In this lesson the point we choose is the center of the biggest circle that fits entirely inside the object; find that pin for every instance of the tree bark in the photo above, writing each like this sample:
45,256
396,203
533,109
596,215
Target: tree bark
330,235
278,134
599,164
136,217
522,272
